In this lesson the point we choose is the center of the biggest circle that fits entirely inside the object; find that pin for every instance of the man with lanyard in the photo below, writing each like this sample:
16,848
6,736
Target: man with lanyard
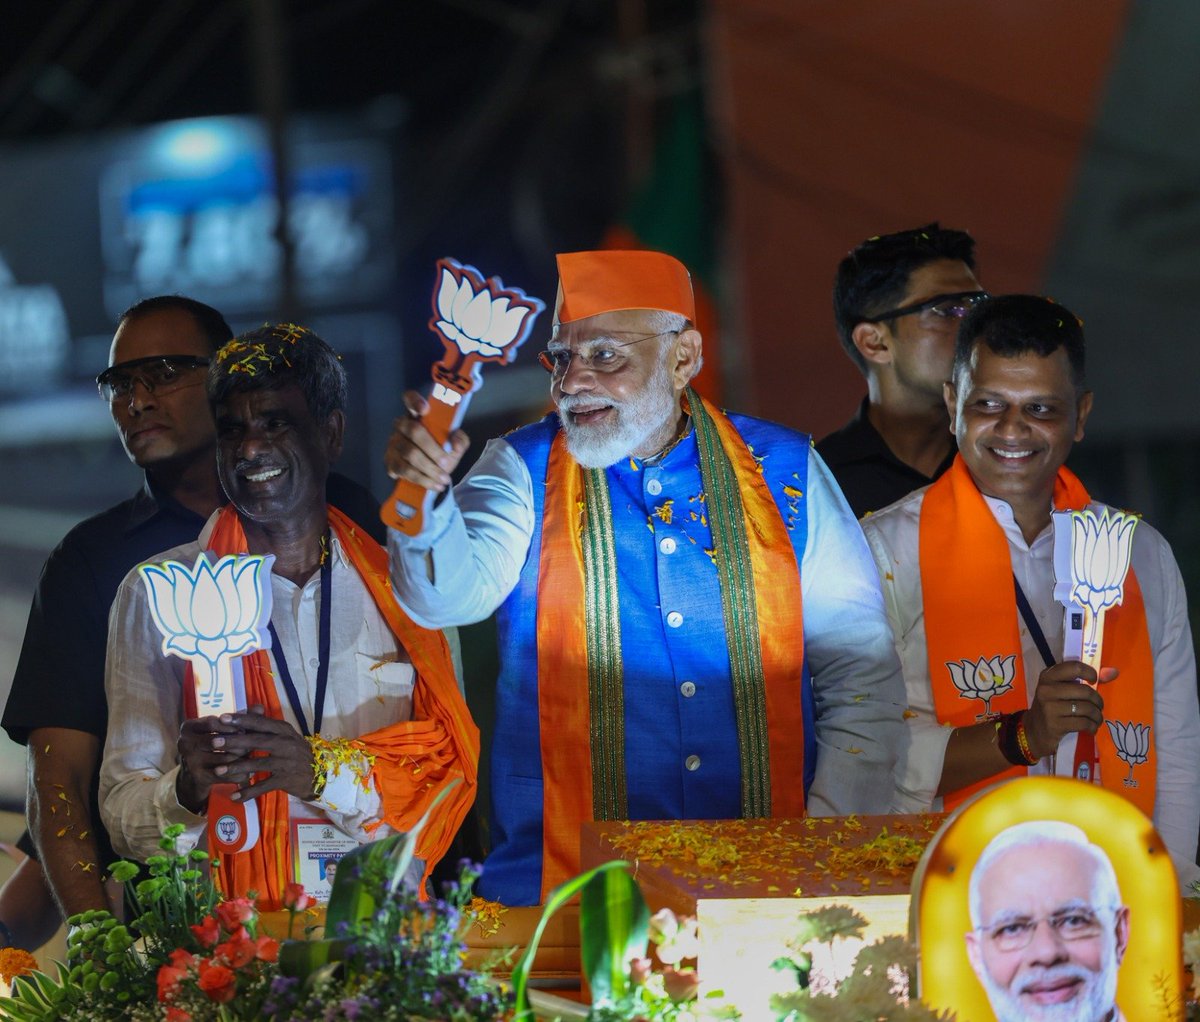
968,577
898,300
689,622
154,388
355,721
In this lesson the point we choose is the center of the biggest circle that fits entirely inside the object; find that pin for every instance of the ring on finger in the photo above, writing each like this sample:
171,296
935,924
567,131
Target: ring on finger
1072,709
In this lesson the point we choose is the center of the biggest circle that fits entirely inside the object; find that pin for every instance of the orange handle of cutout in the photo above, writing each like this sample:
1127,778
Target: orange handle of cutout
405,509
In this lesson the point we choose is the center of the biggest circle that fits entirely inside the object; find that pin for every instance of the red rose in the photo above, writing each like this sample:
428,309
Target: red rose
267,949
236,952
182,959
234,913
207,932
218,982
169,978
295,900
178,1015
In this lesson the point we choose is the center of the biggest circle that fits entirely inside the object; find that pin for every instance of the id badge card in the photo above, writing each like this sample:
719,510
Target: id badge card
317,846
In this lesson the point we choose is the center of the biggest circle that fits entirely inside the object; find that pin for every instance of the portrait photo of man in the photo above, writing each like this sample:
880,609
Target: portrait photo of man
1049,929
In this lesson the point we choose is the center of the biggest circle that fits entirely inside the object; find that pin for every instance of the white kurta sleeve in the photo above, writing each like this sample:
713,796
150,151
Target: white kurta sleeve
892,541
1176,713
857,685
469,556
145,710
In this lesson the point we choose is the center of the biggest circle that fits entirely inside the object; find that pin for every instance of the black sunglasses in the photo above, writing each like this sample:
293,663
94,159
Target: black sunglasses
949,306
161,373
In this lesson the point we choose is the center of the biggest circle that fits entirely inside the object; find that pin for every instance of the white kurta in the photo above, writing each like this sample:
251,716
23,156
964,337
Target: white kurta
893,536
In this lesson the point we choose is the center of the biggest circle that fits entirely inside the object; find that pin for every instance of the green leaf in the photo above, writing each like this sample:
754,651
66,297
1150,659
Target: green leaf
304,959
558,897
351,899
614,926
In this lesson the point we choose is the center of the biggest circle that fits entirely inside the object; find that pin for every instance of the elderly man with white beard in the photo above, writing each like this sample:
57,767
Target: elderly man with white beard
1047,872
690,623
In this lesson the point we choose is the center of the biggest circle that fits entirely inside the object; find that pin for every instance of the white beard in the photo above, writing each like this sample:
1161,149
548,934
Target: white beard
1093,1004
634,422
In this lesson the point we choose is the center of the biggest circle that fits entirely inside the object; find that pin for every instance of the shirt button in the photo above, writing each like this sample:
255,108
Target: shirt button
687,689
692,763
314,662
674,619
667,546
653,487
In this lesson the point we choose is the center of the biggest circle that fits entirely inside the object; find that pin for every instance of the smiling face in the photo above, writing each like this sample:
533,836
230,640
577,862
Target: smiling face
163,429
1016,419
273,456
1067,971
619,393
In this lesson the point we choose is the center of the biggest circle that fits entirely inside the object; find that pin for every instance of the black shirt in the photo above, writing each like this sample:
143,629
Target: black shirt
59,680
870,475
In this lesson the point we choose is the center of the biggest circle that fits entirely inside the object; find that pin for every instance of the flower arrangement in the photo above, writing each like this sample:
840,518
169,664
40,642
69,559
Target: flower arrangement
385,954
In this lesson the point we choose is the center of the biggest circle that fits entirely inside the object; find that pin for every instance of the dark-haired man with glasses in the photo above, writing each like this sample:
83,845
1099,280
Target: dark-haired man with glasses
689,626
154,387
898,300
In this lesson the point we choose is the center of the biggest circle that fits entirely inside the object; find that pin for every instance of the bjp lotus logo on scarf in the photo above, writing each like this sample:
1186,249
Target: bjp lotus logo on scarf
210,613
1133,745
983,679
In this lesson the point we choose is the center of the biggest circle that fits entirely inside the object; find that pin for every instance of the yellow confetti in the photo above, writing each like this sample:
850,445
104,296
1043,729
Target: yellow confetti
909,714
487,915
854,750
664,511
791,491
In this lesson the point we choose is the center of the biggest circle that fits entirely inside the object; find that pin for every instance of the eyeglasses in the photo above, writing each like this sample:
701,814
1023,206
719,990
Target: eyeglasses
1068,924
951,306
159,374
604,354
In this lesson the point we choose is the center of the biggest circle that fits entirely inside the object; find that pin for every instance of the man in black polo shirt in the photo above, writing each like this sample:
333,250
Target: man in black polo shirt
898,300
155,388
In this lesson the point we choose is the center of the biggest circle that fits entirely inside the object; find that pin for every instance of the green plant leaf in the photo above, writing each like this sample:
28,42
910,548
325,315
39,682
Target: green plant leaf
558,897
303,959
614,926
351,899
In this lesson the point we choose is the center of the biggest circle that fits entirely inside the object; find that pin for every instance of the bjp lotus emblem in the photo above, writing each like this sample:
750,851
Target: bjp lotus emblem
209,614
1133,745
477,321
1101,546
983,679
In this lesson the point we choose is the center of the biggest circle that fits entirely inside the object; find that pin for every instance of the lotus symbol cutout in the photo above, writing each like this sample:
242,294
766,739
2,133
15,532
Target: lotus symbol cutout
1101,547
209,614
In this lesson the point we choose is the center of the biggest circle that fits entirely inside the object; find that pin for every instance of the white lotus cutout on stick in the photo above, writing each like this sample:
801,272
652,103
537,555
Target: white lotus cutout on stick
1095,549
984,679
474,318
209,614
478,321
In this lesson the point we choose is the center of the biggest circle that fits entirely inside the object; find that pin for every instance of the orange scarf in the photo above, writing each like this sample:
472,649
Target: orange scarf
413,760
971,613
565,714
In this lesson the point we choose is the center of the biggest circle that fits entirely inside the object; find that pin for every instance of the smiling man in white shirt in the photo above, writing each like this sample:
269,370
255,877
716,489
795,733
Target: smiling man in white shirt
968,579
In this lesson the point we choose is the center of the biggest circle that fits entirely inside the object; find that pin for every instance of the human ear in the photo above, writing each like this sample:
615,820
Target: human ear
871,340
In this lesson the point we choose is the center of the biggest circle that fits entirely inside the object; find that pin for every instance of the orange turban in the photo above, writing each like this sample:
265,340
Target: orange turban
590,283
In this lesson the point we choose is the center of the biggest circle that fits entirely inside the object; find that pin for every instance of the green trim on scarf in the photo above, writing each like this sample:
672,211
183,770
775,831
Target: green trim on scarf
606,677
606,699
731,549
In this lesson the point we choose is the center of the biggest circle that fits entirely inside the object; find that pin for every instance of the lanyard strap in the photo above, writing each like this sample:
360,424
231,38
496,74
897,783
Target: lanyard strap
1031,622
285,675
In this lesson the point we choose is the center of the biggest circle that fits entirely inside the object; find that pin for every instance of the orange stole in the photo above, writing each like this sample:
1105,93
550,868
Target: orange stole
563,710
971,612
414,760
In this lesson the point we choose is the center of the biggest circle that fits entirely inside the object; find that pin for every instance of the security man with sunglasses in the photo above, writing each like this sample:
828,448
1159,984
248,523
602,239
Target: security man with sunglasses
154,387
898,300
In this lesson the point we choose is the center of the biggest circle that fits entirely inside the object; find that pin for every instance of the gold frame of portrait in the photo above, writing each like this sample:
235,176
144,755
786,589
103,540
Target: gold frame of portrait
1150,979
